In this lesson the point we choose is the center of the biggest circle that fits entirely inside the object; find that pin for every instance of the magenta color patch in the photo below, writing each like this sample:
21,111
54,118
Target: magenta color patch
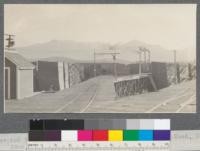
84,135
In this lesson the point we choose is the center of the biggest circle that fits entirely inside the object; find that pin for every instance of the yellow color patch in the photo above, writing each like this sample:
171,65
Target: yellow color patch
115,135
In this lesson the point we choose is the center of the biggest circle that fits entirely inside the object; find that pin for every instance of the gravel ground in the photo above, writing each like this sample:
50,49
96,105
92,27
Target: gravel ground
97,96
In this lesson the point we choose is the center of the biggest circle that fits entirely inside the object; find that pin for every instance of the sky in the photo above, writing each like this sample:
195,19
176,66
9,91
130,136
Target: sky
172,26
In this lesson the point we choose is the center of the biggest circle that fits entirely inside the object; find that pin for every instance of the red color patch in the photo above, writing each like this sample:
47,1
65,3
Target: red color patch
100,135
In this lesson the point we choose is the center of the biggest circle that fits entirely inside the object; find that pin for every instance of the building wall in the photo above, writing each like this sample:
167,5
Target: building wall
122,70
57,75
103,69
13,89
134,68
60,75
159,73
48,76
108,69
25,83
89,70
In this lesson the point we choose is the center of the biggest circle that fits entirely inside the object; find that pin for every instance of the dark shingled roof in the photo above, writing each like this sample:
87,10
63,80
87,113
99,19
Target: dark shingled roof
19,60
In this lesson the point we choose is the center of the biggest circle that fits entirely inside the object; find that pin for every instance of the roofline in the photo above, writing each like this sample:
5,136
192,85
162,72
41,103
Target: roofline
18,66
24,68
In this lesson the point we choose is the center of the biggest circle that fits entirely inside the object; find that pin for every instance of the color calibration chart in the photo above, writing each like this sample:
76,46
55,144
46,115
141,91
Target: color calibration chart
102,134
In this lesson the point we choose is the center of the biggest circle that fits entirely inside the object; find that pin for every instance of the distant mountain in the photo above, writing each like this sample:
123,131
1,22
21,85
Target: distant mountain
84,52
69,49
158,53
56,59
64,59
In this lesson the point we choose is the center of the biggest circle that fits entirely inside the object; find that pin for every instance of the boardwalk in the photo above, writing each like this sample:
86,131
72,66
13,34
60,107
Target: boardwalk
97,96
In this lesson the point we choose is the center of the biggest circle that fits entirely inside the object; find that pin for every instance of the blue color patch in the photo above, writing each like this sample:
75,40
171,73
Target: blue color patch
145,135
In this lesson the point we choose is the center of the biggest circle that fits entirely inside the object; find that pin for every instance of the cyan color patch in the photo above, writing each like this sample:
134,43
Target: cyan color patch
145,135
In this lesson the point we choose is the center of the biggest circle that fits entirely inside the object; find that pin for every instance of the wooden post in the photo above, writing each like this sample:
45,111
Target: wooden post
64,75
149,56
115,66
189,71
175,67
140,64
145,58
69,75
95,64
178,73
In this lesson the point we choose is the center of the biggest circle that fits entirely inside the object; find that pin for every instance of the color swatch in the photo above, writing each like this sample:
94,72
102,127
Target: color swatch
161,135
69,135
146,135
115,135
100,130
52,135
131,135
100,135
84,135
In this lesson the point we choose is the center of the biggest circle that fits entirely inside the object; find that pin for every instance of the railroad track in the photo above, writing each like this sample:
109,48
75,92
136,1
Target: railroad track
184,104
91,101
77,103
178,96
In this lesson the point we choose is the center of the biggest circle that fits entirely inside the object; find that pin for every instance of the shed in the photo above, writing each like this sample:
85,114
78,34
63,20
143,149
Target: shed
18,76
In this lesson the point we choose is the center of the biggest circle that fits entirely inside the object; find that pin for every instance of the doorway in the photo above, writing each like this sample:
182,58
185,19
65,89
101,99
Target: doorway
7,83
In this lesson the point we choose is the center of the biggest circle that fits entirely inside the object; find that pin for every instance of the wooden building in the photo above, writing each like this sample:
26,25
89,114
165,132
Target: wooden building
18,76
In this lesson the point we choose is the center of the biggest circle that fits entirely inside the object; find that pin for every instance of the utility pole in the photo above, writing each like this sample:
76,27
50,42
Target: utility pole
149,56
113,54
149,60
175,66
10,40
140,63
95,71
174,56
145,59
115,65
146,52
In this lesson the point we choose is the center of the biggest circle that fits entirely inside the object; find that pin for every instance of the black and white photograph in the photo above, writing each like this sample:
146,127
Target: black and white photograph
100,58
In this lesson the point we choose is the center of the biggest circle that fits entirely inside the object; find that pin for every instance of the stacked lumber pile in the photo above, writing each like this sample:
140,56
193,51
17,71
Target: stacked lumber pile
131,85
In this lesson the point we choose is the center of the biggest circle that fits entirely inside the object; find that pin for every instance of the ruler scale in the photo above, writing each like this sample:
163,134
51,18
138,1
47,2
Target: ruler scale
97,146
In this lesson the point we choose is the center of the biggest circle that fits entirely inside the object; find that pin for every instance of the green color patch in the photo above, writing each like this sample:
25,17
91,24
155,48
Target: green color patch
131,135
